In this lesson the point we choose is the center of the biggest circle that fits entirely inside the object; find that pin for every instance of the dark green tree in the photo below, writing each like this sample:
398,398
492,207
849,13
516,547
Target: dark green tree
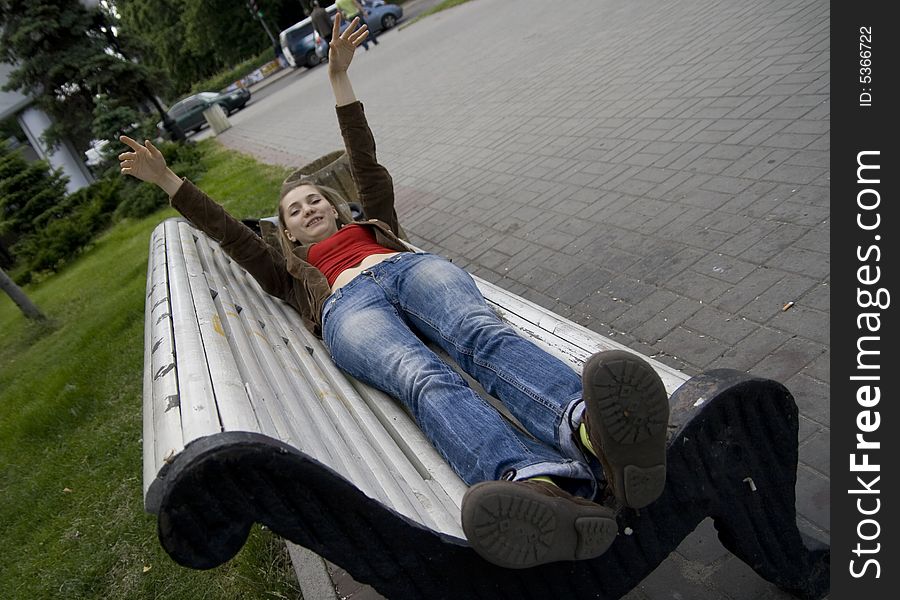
192,40
224,26
159,27
27,190
63,56
112,118
288,12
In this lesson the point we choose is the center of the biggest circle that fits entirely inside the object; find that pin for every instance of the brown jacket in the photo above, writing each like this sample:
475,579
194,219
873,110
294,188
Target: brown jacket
293,279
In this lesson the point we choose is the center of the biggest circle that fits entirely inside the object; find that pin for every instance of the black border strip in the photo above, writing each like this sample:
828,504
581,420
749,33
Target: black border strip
864,261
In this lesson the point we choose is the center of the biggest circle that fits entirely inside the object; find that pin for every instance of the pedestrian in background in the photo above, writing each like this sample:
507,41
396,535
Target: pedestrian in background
352,8
322,24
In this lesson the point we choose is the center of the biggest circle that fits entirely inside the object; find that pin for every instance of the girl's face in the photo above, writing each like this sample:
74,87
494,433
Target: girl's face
308,216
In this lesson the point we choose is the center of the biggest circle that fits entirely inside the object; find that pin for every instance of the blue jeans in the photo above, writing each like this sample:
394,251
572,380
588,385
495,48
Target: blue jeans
371,327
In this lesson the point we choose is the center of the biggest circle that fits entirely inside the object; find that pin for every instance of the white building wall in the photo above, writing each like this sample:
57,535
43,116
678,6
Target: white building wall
34,122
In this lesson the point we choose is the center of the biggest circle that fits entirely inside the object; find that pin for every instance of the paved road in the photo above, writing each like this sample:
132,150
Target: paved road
656,171
289,76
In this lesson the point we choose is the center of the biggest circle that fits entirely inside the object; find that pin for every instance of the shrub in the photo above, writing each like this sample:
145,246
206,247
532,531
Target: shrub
27,189
105,193
63,228
59,233
186,159
223,79
139,201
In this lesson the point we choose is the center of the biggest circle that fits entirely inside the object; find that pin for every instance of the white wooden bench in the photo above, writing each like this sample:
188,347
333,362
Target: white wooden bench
274,377
247,419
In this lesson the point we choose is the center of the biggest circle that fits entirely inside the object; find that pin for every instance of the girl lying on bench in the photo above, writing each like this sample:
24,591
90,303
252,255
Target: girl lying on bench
373,300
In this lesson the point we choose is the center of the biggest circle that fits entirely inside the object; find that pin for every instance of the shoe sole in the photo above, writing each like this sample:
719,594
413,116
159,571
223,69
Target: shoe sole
518,528
628,414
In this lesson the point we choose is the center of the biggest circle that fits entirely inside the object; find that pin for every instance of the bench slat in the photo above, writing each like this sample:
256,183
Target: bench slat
235,413
198,406
148,437
161,404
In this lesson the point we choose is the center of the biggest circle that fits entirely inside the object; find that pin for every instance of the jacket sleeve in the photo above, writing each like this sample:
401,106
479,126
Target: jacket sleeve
250,251
376,188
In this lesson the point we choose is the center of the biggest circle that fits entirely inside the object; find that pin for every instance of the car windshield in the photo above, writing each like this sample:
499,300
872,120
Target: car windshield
178,108
183,106
208,95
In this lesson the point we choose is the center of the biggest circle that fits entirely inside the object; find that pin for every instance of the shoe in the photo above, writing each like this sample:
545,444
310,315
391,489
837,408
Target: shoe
520,524
627,417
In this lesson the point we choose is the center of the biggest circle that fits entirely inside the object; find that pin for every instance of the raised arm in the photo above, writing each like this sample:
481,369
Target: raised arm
264,263
376,189
340,55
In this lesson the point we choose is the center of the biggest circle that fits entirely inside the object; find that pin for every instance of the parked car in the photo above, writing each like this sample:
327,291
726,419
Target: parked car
298,42
231,101
188,112
379,16
382,16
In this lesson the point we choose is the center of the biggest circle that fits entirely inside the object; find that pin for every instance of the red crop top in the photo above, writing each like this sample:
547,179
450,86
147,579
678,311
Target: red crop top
346,248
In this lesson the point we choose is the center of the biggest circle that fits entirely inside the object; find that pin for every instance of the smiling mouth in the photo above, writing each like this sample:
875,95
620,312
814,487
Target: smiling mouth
314,221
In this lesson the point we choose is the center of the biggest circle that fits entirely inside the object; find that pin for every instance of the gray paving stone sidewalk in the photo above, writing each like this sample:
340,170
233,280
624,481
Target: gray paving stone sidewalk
656,171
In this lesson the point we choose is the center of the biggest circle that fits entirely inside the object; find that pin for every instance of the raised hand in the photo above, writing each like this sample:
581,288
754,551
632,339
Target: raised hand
147,164
343,45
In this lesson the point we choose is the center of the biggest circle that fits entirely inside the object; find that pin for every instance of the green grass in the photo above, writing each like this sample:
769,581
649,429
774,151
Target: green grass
71,508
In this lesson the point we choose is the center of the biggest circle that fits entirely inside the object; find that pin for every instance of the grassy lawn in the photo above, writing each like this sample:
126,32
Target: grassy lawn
71,508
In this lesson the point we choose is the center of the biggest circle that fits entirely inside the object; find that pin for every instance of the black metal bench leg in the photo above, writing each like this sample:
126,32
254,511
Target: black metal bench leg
745,435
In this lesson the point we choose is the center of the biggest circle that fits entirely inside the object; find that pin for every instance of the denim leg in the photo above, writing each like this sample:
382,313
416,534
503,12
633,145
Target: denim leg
541,391
369,339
